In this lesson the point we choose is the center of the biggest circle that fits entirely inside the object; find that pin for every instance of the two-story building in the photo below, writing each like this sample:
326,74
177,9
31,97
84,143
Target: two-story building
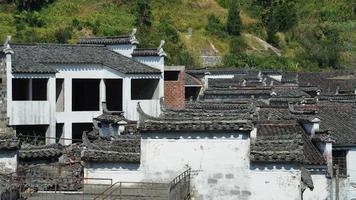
55,90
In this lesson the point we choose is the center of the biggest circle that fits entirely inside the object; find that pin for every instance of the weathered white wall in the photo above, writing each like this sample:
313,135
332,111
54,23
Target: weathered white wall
275,184
321,189
219,76
153,61
220,164
8,161
116,171
123,49
348,185
276,77
151,107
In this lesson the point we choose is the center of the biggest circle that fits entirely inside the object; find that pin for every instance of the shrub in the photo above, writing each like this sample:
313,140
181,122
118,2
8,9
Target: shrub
33,19
62,35
214,26
143,12
31,5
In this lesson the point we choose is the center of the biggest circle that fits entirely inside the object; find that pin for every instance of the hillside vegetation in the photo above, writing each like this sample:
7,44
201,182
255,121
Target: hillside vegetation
269,34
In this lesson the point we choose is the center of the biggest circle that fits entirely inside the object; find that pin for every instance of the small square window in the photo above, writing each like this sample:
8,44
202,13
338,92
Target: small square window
171,75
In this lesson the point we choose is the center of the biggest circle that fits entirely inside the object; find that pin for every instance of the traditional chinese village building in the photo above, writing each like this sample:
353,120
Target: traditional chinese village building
105,119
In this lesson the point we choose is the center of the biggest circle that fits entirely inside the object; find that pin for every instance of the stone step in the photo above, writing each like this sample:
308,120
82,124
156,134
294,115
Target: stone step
46,196
131,192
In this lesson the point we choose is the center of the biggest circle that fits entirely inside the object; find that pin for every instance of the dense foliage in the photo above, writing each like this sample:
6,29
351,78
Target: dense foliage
234,24
301,35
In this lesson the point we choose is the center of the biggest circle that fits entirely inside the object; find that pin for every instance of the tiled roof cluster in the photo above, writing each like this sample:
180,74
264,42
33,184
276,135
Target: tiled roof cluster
338,118
284,142
288,99
9,142
125,149
38,58
199,118
43,152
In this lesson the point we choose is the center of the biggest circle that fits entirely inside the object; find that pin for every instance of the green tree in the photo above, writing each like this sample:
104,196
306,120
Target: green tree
144,13
278,16
322,45
214,26
234,24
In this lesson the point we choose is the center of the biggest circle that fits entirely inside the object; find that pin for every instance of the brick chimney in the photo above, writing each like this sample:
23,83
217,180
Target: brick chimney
174,87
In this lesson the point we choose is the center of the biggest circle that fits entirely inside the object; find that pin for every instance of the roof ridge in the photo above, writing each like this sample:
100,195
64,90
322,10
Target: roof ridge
106,37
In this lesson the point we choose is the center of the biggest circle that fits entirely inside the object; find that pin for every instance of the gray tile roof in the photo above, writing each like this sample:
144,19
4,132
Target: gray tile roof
145,52
9,142
36,58
107,40
199,118
30,152
191,80
125,148
284,142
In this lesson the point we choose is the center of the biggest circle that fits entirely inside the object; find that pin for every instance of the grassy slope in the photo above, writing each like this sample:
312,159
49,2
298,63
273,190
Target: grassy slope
112,19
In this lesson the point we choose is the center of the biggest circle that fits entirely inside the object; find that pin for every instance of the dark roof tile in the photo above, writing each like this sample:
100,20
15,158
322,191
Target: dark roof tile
37,58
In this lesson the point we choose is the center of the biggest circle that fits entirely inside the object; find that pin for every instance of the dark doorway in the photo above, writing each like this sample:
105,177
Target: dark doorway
32,134
59,133
20,89
60,95
142,89
192,93
78,129
39,89
85,94
114,94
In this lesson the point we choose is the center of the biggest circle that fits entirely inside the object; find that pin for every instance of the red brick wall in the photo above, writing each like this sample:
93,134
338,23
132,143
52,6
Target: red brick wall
174,92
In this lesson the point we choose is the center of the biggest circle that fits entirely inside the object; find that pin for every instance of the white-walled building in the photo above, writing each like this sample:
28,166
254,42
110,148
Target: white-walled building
55,90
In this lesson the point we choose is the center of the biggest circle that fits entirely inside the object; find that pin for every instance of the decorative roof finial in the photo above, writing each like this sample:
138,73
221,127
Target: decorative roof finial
160,49
7,48
161,44
133,39
134,31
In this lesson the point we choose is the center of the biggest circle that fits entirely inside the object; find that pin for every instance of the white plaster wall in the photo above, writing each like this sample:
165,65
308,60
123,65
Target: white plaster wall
321,188
115,171
221,161
276,77
220,76
220,164
153,61
150,107
8,161
275,184
123,49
